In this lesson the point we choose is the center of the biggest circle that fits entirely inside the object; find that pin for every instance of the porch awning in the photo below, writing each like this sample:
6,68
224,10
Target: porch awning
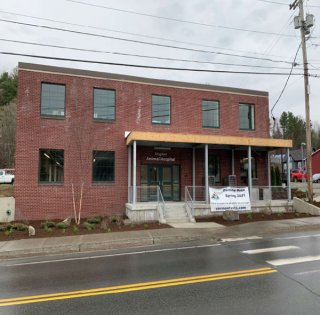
206,139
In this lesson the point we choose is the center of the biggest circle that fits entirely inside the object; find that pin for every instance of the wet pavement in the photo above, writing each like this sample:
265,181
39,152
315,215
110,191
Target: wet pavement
182,232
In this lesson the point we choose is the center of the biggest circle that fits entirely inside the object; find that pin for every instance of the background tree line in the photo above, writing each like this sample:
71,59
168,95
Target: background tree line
293,127
8,94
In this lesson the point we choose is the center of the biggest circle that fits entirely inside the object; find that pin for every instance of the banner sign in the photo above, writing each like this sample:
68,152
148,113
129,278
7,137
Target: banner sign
230,199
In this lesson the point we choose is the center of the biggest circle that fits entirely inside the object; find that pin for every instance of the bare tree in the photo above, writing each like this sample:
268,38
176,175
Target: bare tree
7,135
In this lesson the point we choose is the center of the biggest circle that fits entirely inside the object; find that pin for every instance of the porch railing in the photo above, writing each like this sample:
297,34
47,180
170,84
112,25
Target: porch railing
148,194
196,194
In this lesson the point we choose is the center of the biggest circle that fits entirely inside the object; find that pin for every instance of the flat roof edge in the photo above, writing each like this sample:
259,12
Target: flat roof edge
121,77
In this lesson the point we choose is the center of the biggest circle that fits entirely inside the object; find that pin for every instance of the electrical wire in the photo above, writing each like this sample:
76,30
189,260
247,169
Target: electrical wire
286,83
135,34
143,56
176,20
152,67
141,42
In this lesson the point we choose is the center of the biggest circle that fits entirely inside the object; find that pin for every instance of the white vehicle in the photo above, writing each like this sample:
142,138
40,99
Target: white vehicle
316,178
6,176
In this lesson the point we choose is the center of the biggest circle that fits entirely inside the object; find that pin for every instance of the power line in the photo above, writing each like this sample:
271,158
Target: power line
141,42
177,20
152,67
141,56
286,83
135,34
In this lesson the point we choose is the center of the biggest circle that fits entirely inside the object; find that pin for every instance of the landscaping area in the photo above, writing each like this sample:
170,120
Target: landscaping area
6,190
55,228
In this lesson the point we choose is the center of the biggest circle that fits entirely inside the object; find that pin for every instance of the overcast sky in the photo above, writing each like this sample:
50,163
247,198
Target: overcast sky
242,35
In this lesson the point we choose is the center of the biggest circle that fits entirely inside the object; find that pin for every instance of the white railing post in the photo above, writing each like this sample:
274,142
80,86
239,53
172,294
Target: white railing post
134,179
206,172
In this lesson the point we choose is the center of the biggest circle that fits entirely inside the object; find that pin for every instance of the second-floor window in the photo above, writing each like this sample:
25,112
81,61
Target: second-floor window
104,104
161,109
53,99
210,114
246,116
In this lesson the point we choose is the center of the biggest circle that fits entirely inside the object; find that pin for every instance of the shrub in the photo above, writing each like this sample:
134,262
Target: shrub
8,232
48,224
88,226
75,229
20,227
117,219
62,225
249,215
3,228
95,219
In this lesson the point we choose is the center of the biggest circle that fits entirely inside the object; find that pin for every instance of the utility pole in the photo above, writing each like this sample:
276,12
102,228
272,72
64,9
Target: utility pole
305,25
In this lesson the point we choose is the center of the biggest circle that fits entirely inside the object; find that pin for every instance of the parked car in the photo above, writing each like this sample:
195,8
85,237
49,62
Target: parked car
298,175
6,176
316,178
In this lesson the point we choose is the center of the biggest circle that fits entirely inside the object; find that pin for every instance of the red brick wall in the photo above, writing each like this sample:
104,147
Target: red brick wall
78,132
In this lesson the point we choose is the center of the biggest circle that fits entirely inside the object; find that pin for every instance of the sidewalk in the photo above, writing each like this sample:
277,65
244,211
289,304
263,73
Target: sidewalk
183,232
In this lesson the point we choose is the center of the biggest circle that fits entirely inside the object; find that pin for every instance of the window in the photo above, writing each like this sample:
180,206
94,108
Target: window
246,113
102,166
214,168
51,166
104,104
244,166
52,99
210,114
161,109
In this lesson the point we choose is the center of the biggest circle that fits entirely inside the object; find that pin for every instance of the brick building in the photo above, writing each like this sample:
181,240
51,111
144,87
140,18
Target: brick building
106,139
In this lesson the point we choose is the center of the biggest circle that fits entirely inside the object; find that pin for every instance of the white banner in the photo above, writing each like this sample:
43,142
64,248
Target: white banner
230,199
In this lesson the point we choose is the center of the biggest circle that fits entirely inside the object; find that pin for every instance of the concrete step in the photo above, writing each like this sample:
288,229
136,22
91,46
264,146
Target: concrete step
177,220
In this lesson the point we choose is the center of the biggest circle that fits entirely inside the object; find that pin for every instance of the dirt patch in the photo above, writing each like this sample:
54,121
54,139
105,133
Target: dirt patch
254,217
11,231
6,190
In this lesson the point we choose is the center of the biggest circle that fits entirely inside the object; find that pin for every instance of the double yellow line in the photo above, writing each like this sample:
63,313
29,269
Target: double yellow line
134,287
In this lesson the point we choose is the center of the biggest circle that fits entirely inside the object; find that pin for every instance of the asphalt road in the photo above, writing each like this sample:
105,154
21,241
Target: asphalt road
279,275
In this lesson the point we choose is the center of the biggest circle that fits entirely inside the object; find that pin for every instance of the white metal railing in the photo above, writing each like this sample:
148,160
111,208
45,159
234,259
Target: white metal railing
268,193
147,194
161,206
196,194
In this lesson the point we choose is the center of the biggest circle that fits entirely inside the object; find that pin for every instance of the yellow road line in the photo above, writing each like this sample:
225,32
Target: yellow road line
134,287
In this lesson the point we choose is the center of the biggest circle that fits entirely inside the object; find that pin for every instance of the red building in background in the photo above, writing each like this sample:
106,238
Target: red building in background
102,138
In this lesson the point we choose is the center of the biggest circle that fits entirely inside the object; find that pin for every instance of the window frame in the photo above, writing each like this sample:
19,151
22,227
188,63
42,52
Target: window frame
218,110
152,117
218,158
41,101
252,117
103,182
115,104
45,182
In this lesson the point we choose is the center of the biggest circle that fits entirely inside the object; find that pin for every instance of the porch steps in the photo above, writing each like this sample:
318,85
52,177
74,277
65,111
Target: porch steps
176,213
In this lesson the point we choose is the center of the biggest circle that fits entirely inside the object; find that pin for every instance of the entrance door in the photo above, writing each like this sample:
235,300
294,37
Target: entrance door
167,177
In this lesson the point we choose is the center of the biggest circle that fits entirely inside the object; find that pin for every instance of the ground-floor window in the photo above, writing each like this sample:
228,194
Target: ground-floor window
103,166
51,166
214,168
244,169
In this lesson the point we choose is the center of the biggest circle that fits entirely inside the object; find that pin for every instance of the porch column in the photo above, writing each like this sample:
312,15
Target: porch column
193,172
249,170
206,172
269,169
129,173
232,161
134,173
288,175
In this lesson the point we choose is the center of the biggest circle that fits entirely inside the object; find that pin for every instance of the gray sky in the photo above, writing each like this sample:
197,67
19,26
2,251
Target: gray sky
241,34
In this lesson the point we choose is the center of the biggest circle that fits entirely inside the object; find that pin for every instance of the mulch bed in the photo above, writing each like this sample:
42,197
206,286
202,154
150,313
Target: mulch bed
70,231
254,217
